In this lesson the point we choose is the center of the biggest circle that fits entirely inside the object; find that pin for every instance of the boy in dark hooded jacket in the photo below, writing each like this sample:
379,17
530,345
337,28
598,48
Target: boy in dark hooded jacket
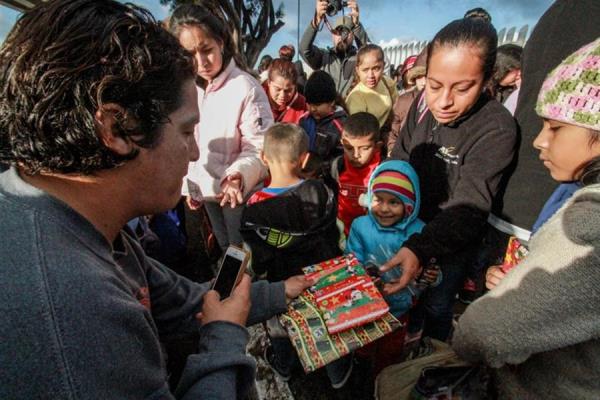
289,225
323,123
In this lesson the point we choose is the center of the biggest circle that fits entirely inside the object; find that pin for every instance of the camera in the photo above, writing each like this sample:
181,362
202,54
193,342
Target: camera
335,6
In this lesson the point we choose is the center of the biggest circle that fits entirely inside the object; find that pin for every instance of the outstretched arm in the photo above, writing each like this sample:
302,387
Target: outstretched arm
360,35
310,53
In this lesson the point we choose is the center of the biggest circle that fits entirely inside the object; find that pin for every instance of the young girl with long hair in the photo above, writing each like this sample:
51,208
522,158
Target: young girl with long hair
235,113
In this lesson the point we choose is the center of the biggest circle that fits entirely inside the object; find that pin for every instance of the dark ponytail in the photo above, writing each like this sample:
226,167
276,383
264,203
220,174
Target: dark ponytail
473,32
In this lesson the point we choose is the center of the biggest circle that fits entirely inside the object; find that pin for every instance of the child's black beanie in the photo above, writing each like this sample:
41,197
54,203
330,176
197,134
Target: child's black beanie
320,88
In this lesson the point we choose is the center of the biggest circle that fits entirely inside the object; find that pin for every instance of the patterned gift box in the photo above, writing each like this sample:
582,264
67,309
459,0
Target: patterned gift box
323,329
515,252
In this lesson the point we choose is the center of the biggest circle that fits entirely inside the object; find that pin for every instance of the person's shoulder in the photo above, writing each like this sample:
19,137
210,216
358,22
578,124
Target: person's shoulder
29,229
581,218
313,186
340,114
493,118
300,103
389,83
365,225
241,79
410,95
406,99
495,112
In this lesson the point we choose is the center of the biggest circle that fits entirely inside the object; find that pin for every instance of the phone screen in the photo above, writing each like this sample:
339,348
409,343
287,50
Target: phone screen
227,275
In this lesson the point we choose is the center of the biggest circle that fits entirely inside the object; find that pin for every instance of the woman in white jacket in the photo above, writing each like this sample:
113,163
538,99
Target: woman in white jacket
234,113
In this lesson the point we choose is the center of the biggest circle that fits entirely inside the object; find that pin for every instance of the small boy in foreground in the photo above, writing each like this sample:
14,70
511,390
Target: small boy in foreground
289,225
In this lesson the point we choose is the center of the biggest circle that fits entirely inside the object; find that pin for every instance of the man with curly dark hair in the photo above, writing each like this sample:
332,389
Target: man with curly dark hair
97,112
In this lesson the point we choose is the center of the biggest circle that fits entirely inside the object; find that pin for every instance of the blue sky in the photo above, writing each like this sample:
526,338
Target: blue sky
383,19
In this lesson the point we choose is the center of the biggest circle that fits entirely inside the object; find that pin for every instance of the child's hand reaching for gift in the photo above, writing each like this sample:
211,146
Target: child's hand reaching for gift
493,276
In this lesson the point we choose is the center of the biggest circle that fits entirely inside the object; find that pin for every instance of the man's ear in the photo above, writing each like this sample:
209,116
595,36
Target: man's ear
379,144
106,124
263,158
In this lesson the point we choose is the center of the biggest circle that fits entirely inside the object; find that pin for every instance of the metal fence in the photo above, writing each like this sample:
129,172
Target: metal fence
395,55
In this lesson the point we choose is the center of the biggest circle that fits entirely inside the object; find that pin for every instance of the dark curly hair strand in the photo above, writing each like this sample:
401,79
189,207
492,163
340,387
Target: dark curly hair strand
63,61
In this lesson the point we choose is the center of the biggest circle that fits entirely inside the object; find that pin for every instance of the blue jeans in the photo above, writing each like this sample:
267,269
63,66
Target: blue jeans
225,222
433,311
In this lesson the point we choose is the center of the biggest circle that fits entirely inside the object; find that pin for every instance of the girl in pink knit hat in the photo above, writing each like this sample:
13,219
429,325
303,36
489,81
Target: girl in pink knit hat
538,327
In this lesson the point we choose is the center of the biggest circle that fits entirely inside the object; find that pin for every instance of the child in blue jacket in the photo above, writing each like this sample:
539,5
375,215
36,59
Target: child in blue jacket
393,199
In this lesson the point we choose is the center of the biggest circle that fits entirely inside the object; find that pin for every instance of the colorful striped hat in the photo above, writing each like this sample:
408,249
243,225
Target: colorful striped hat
399,185
571,92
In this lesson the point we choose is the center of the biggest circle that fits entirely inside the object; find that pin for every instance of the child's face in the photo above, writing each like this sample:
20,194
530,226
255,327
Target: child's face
206,50
370,69
565,149
454,81
359,150
387,209
320,111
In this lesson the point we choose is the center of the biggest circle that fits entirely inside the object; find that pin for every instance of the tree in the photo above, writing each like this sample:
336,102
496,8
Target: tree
252,23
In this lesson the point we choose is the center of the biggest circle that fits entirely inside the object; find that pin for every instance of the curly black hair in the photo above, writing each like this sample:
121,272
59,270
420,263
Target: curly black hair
63,61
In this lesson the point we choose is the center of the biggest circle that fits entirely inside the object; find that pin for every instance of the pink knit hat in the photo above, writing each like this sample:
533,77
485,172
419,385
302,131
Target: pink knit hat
571,92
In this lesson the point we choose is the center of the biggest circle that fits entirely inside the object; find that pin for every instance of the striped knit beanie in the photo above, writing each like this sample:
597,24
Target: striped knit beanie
571,92
399,185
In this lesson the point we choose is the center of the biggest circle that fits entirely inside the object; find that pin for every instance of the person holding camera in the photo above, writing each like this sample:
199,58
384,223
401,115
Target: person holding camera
338,61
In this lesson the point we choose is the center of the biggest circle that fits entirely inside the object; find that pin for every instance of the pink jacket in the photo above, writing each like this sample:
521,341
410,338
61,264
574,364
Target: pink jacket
234,113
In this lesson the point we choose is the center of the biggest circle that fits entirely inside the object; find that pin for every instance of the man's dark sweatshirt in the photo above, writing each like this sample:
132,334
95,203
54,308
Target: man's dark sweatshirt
460,167
83,318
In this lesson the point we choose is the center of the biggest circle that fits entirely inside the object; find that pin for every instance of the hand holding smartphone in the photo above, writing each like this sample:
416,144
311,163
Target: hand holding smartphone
234,309
231,270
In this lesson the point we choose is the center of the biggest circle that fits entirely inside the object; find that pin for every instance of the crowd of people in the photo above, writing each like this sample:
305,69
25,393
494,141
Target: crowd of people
118,132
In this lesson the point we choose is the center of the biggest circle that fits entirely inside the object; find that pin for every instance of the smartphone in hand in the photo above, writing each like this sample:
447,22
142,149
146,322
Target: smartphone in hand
231,270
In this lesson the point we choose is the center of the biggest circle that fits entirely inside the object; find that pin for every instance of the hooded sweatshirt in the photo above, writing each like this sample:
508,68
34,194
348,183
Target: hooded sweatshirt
371,242
292,230
462,166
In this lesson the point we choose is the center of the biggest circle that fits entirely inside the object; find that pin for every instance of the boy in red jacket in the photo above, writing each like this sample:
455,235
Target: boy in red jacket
362,154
